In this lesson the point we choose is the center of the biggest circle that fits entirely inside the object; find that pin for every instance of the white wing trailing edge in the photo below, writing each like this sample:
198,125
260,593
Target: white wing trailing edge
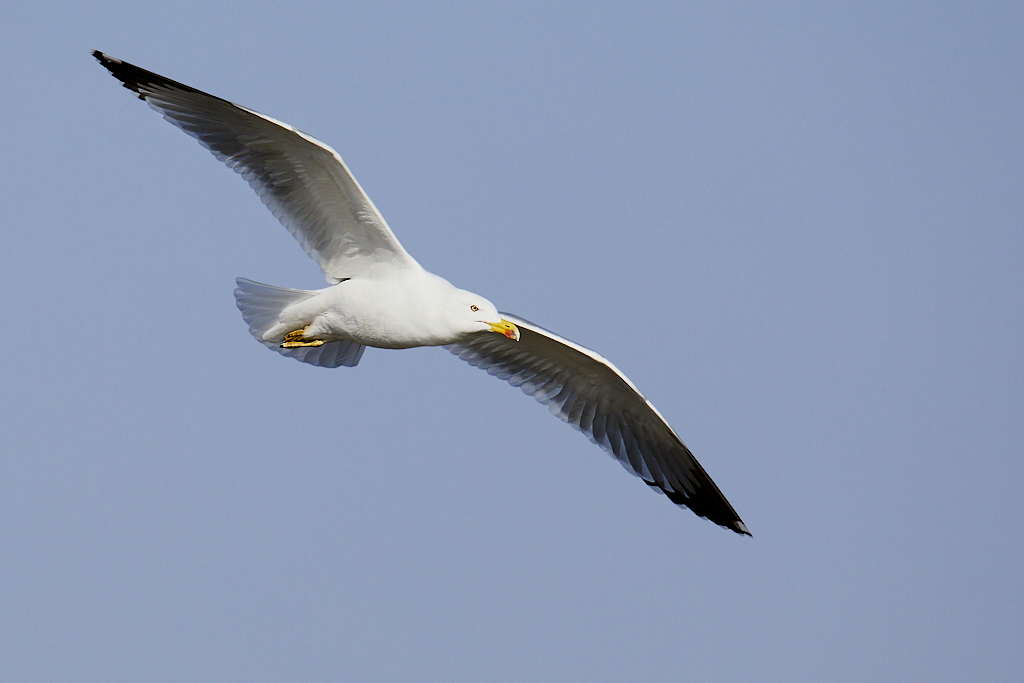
584,390
302,181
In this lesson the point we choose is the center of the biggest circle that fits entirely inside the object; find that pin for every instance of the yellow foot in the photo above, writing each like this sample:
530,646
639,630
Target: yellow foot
294,340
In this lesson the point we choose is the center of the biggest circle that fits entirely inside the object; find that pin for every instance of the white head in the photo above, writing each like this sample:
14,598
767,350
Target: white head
470,313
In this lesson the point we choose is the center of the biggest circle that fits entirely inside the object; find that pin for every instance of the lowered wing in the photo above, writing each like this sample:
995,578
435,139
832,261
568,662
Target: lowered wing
586,391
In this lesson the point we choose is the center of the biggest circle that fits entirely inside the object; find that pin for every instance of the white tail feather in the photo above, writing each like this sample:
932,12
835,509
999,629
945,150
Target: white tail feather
261,306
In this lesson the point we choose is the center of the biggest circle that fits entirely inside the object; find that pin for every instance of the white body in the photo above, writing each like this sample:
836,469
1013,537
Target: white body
420,309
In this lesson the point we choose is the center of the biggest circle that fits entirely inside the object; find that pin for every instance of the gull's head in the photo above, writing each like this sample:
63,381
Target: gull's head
471,313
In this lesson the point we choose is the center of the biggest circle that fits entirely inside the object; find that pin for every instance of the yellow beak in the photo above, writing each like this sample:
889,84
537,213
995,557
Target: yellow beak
506,328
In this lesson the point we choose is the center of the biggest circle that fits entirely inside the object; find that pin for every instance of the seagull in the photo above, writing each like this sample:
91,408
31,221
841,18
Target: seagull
380,296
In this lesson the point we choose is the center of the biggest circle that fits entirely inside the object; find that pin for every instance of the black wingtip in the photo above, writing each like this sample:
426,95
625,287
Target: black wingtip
117,69
108,62
137,79
714,508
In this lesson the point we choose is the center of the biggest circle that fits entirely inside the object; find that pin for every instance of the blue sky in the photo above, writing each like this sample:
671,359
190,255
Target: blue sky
796,227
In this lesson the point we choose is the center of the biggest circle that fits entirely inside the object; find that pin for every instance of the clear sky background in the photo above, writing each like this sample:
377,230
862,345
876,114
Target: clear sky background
797,227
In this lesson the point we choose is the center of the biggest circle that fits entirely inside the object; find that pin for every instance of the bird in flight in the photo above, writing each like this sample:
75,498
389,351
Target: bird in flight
380,296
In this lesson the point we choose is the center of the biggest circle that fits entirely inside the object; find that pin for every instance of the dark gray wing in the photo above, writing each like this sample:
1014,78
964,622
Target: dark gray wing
586,391
301,180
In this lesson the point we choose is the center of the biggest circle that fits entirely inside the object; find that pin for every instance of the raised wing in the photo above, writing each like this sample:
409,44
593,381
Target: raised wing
586,391
300,179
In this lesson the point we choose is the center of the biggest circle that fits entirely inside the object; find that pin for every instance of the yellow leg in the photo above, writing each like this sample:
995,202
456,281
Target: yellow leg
294,340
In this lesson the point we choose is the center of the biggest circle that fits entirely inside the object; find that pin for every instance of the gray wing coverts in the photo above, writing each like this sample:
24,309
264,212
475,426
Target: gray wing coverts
587,392
303,182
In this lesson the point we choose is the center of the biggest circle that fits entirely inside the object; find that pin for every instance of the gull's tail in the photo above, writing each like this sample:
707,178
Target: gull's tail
261,306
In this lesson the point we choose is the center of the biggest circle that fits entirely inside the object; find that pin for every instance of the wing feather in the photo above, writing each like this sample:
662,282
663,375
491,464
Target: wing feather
586,391
303,182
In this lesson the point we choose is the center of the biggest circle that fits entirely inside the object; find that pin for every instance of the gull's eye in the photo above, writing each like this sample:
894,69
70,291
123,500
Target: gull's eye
474,308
